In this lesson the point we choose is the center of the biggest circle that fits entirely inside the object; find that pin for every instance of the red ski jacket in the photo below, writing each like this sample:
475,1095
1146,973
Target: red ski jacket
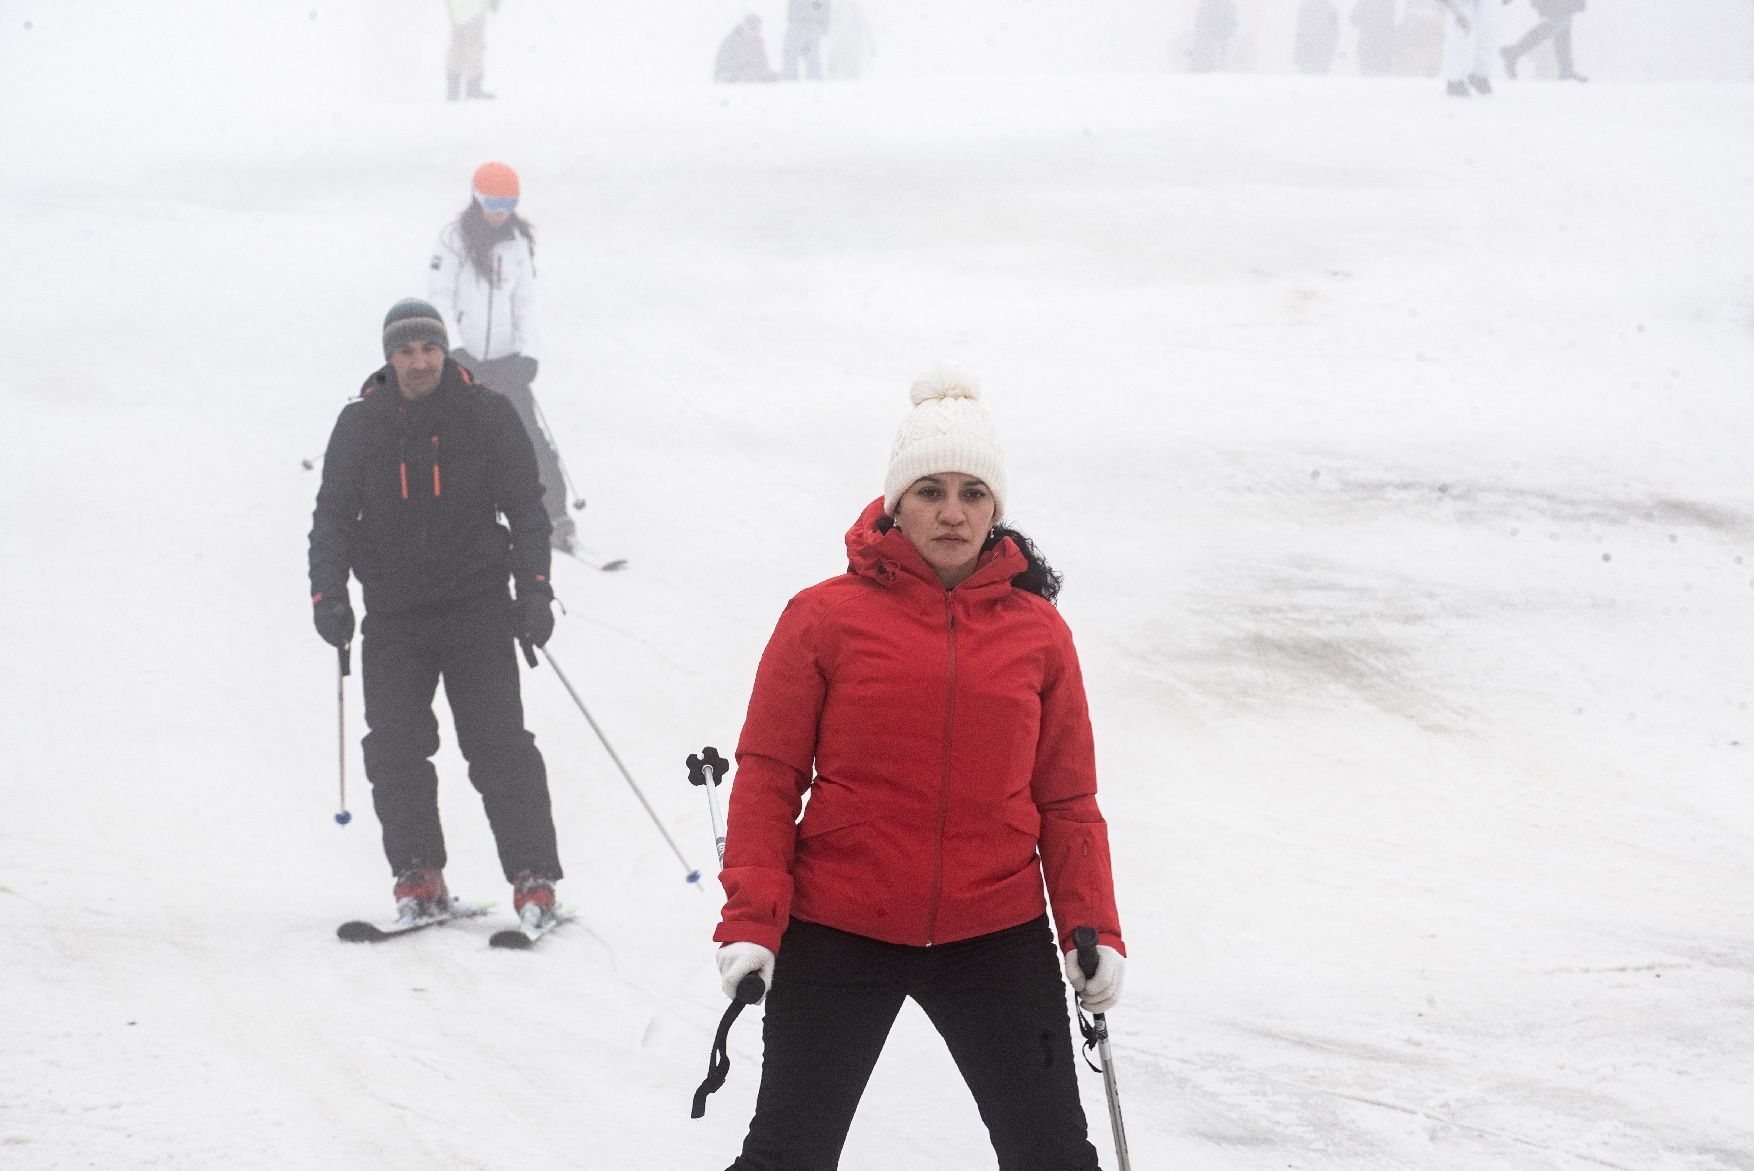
944,743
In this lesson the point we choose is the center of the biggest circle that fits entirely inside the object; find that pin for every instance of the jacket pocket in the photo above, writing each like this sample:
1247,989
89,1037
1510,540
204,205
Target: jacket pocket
824,816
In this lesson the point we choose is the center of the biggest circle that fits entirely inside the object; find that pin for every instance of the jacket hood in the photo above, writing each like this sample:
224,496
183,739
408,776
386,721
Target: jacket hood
887,556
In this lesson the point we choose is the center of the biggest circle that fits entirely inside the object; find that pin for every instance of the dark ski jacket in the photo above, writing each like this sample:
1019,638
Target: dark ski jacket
412,494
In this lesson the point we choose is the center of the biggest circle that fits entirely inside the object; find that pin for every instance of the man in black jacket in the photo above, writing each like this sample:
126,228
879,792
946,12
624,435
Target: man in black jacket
417,473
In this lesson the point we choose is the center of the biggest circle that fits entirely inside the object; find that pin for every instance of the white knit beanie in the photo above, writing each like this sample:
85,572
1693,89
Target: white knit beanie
947,431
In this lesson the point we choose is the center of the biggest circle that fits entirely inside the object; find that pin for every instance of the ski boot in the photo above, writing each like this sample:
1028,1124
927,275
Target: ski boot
420,890
533,897
1481,83
1456,89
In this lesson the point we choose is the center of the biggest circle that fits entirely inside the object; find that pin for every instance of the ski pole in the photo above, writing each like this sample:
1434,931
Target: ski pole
1096,1036
529,654
578,502
343,668
708,769
699,767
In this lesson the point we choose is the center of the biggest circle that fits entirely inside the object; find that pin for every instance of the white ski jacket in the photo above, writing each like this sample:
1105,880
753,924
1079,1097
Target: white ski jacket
490,319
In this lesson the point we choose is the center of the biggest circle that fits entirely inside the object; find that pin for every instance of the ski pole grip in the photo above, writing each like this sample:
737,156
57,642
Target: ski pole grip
707,762
529,652
751,988
344,656
1084,939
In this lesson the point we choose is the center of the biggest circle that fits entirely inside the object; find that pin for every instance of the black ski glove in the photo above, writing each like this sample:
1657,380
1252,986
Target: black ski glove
533,619
520,369
334,619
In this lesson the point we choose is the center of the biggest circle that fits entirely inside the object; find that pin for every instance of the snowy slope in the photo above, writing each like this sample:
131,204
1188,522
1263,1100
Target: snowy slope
1395,451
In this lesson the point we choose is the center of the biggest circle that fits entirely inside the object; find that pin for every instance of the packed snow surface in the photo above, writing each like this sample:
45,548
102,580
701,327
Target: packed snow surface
1395,450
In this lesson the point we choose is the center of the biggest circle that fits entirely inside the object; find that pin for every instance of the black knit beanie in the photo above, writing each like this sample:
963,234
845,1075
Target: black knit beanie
412,320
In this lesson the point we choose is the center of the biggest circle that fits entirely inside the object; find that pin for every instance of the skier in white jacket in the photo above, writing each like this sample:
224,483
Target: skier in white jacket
1470,45
483,282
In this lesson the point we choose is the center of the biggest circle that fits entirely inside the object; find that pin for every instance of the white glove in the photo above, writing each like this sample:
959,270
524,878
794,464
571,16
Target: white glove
737,960
1102,991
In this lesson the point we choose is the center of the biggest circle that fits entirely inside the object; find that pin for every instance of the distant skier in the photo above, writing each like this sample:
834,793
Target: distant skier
806,25
464,64
743,54
1470,46
930,703
1375,22
1318,36
1555,24
1419,39
416,474
483,280
1215,25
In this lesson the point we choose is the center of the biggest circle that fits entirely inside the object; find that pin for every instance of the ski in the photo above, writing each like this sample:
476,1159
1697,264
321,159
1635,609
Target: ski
616,565
524,936
364,931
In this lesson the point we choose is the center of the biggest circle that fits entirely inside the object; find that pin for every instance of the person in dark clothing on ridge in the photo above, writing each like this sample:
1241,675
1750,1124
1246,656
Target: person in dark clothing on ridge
1556,24
1375,22
417,472
743,54
1215,26
1318,35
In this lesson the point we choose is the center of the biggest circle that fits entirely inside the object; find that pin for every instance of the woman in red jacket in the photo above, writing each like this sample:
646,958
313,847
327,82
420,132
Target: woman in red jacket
929,703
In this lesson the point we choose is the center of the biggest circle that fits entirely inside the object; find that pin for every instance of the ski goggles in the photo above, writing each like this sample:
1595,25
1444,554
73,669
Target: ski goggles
496,202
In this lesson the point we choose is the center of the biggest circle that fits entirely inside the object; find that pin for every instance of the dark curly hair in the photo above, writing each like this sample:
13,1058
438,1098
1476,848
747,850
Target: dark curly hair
479,237
1038,577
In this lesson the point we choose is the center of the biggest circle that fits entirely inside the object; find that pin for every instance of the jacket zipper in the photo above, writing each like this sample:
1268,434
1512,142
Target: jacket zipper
487,345
436,491
944,773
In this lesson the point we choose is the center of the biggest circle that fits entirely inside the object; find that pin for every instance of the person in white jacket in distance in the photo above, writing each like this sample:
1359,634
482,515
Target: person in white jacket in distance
483,280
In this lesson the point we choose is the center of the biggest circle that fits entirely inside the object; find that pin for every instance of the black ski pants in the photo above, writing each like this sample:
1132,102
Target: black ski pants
1559,28
523,400
998,1002
469,645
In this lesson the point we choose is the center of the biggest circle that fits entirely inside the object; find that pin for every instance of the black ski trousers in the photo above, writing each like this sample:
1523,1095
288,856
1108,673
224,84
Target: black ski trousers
998,1002
469,645
523,400
1559,28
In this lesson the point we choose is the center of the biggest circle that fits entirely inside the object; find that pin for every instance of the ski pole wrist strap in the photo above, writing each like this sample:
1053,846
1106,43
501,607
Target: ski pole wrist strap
718,1065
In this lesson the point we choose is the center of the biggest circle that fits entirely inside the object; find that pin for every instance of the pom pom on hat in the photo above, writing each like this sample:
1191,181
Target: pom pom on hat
944,382
496,180
947,431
